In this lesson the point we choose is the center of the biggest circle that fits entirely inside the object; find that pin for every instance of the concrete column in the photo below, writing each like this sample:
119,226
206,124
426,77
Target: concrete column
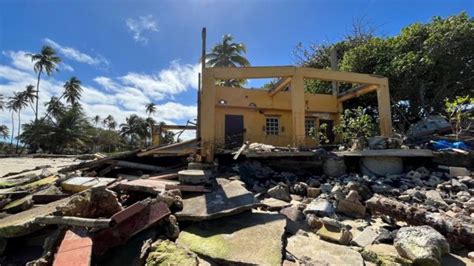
208,102
298,110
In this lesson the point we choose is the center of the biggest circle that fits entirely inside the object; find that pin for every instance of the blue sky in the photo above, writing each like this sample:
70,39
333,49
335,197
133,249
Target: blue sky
128,53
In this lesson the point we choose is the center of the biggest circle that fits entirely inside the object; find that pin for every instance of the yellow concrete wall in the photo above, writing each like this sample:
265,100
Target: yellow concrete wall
237,101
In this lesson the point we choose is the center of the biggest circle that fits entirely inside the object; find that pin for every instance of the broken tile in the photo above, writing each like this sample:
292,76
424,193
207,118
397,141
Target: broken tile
78,184
229,198
74,250
250,238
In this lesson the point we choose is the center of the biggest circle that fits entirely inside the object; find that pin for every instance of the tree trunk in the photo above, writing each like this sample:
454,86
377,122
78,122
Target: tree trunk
13,130
454,229
19,130
37,94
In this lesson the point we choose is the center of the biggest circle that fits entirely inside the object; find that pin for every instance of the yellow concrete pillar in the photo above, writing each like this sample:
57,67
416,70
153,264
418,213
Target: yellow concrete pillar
208,103
298,110
384,107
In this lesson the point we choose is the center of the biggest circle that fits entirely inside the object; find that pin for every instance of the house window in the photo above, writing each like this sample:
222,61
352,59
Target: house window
272,126
309,127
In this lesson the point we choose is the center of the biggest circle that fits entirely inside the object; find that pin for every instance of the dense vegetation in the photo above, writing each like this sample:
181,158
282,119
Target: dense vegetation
425,64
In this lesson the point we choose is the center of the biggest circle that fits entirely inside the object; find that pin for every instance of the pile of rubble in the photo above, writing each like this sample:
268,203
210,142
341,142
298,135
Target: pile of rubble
131,210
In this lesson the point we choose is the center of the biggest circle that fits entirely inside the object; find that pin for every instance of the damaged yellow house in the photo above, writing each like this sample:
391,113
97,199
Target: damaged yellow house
282,115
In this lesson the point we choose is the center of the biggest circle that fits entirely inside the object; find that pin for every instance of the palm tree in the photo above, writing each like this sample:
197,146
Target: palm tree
150,109
2,102
109,122
30,95
54,107
4,131
135,128
45,61
72,90
96,120
18,102
11,106
227,54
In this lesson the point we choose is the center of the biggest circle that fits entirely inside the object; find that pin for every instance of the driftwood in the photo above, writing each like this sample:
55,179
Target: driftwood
98,162
140,166
455,230
74,221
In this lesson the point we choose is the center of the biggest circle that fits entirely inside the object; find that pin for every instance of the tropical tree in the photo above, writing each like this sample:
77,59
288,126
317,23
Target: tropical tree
2,102
46,61
4,131
228,54
54,107
96,120
30,95
109,122
72,90
12,108
150,109
134,129
18,102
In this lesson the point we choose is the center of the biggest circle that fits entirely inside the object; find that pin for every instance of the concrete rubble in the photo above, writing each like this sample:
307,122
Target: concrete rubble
132,210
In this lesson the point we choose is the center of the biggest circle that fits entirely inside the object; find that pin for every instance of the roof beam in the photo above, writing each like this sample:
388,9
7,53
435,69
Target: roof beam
280,85
356,92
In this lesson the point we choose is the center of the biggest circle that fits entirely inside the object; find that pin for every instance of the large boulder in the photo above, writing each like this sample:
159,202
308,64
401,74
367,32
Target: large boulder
421,244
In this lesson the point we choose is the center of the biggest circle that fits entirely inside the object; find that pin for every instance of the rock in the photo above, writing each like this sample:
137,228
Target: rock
423,171
349,208
433,181
314,222
470,255
366,237
381,165
383,254
275,204
229,198
295,220
312,251
280,191
337,235
377,143
334,166
320,207
434,198
457,186
250,238
194,176
381,188
413,175
313,192
326,188
421,244
300,188
463,196
333,223
165,252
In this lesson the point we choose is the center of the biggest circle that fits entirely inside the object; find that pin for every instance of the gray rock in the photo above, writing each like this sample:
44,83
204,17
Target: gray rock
280,191
366,237
421,244
334,167
434,198
320,207
463,196
413,174
381,188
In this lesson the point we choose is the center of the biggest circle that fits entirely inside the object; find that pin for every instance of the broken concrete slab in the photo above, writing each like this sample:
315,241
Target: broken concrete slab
281,191
275,204
165,252
337,235
366,237
320,207
194,176
383,254
92,203
145,185
229,198
74,250
78,184
309,249
250,238
349,208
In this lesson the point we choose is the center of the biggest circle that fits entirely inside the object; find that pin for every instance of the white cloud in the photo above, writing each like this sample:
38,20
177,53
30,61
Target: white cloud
107,83
141,25
77,55
168,82
20,59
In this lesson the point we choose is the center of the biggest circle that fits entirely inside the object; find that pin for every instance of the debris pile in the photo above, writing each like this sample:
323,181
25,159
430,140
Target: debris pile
129,209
